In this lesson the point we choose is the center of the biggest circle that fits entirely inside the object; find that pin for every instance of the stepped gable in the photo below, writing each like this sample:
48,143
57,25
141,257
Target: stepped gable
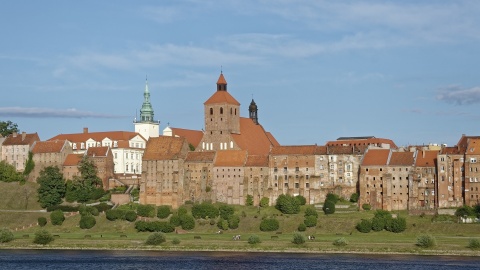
252,138
294,150
72,159
48,146
97,136
21,139
193,136
402,159
100,151
230,158
473,147
256,161
376,157
163,148
426,158
206,156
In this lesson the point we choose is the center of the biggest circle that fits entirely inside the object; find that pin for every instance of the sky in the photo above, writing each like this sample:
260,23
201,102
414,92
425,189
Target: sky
318,70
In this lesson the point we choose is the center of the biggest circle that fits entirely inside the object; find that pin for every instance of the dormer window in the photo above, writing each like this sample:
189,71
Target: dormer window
82,145
115,144
74,146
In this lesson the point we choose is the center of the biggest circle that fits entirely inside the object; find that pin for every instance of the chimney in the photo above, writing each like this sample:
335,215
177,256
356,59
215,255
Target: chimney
85,130
24,134
423,153
14,134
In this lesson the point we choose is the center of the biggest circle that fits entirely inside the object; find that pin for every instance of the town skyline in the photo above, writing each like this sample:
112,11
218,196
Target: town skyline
317,71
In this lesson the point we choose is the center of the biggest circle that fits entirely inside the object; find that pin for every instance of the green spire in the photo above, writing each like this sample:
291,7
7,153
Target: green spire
146,112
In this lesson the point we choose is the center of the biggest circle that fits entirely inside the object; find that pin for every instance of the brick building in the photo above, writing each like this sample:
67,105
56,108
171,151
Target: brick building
49,153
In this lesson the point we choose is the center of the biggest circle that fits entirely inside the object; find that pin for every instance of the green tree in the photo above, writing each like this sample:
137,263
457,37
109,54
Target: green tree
332,197
87,222
328,207
156,239
464,211
187,222
29,165
269,224
249,200
42,221
264,202
287,204
301,200
87,186
311,211
364,226
163,211
310,221
298,238
204,210
146,210
226,211
6,235
42,237
57,217
52,187
8,127
233,222
8,173
354,197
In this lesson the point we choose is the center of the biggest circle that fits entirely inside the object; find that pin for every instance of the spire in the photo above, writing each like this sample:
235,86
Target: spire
221,83
146,112
253,111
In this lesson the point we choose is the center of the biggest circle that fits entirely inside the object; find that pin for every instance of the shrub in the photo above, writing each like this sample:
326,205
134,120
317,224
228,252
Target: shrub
329,207
364,226
298,238
102,207
366,206
249,200
311,211
204,210
57,217
473,243
222,224
354,197
87,222
340,242
182,210
302,227
114,214
155,239
254,239
6,235
233,222
332,197
212,221
146,210
464,211
42,237
301,200
264,202
310,221
42,221
287,204
64,208
187,222
154,226
175,241
130,215
397,225
163,211
269,224
426,241
378,224
382,214
175,220
226,211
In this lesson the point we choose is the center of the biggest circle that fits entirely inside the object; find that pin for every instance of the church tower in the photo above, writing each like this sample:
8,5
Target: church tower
146,125
253,111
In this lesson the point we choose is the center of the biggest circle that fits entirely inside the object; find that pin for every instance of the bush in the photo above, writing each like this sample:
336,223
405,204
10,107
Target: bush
426,241
102,207
175,241
114,214
42,221
6,235
88,210
473,243
146,210
302,227
226,211
298,238
222,224
42,237
378,224
187,222
269,224
175,220
154,226
204,210
329,207
301,200
332,197
64,208
163,211
310,221
366,206
311,211
382,214
182,210
87,222
155,239
464,211
397,225
354,197
340,242
249,200
57,217
130,215
287,204
264,202
254,239
364,226
233,222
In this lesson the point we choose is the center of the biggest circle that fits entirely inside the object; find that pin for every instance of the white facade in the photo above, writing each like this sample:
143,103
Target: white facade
147,130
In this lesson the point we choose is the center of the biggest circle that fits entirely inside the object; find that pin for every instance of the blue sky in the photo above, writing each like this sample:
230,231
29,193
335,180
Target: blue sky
318,70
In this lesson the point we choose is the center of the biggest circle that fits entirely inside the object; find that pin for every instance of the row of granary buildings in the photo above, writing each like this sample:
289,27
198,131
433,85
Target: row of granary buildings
234,157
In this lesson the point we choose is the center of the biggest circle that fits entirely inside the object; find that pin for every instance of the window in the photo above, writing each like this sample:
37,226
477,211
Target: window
473,160
307,176
307,185
211,111
275,169
297,185
297,169
286,185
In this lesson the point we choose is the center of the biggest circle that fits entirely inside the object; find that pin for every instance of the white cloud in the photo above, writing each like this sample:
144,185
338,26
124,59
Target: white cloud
35,112
459,96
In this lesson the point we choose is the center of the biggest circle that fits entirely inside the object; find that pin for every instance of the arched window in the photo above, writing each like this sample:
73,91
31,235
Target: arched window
211,111
221,110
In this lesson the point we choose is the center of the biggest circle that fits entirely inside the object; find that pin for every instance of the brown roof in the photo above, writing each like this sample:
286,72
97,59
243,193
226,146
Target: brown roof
221,79
72,159
402,159
230,158
376,157
473,147
256,161
321,150
101,151
252,138
207,156
426,158
463,142
272,139
97,136
48,146
221,97
346,150
163,148
294,150
363,141
453,150
193,136
21,139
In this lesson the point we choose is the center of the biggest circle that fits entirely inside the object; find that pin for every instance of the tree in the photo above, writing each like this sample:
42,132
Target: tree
52,187
249,200
7,128
163,211
287,204
87,222
328,207
42,237
6,235
8,173
30,165
264,202
269,224
88,172
57,217
301,200
298,238
156,239
87,186
226,211
354,197
310,221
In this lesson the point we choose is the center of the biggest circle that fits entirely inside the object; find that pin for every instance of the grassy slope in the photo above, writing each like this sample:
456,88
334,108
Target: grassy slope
19,197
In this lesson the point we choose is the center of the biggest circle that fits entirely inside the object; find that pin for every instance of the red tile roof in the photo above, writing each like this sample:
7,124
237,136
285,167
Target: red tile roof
48,146
221,79
207,156
346,150
164,148
450,151
376,157
101,151
272,139
402,159
72,159
256,161
21,139
294,150
363,141
221,97
193,136
97,136
230,158
252,138
473,147
426,158
321,150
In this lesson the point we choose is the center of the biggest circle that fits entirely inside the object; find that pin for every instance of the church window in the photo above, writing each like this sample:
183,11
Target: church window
221,110
211,111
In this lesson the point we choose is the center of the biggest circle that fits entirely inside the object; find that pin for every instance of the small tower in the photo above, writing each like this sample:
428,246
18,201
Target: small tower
253,111
146,125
